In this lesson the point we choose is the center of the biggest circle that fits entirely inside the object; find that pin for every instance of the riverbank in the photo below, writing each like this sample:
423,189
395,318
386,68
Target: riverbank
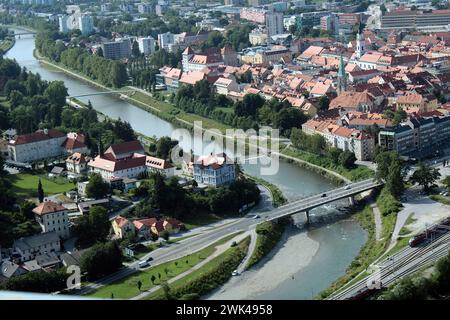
376,245
170,113
6,45
278,199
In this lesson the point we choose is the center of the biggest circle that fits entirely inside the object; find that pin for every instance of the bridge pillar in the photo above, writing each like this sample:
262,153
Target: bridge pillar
351,200
308,221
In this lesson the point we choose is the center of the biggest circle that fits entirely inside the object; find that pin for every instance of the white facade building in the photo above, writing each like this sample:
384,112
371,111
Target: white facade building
165,40
146,45
53,217
86,24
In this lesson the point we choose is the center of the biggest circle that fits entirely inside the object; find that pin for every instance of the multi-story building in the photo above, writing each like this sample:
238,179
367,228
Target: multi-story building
196,62
35,146
264,56
86,24
119,49
257,37
417,137
127,160
63,23
274,23
28,248
330,24
310,19
146,45
214,170
165,40
144,8
161,7
53,217
77,163
345,139
416,19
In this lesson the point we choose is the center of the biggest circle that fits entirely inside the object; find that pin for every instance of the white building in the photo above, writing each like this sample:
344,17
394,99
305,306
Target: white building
214,170
29,247
63,23
146,45
39,145
77,163
165,40
53,217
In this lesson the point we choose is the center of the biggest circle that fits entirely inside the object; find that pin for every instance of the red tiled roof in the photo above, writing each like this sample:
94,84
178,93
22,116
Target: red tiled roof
48,207
40,135
125,147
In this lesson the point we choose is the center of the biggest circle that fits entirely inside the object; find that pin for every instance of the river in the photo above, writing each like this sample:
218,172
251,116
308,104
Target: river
311,259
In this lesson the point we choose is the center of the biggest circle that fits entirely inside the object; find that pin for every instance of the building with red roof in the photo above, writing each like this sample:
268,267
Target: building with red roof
52,216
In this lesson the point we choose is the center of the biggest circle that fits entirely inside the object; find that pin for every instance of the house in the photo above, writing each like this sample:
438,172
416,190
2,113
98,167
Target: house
124,150
224,86
52,216
143,227
75,143
353,101
77,163
48,260
412,100
85,206
28,248
56,171
9,269
159,165
214,170
122,227
72,258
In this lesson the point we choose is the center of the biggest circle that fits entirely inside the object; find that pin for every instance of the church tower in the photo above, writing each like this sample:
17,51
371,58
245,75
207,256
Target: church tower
360,42
342,77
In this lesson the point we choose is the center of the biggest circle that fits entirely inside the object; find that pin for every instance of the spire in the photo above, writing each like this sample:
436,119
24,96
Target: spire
342,77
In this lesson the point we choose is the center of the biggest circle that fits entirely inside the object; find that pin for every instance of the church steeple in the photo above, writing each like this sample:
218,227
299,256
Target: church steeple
342,77
360,42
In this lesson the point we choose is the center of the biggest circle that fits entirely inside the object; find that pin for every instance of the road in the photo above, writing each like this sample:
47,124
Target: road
198,242
403,263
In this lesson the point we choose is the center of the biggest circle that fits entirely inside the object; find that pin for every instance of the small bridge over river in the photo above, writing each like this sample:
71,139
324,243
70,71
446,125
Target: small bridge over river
102,93
24,33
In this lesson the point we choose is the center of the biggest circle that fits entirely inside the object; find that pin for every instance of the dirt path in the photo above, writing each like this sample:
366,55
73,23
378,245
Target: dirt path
378,223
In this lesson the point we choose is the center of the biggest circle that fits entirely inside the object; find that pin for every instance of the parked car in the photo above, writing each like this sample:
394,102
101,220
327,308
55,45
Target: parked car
323,195
149,259
348,187
235,273
234,244
256,217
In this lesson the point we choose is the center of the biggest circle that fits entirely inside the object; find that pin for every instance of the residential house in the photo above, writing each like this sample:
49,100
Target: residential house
143,227
353,101
224,86
214,170
28,248
122,227
77,163
52,216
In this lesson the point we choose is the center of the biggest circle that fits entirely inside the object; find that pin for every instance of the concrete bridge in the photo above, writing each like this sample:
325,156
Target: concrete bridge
24,33
307,204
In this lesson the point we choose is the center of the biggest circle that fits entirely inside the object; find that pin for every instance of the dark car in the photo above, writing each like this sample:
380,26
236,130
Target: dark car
323,195
149,259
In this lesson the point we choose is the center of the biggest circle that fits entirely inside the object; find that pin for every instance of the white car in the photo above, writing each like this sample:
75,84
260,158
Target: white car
348,187
143,264
235,273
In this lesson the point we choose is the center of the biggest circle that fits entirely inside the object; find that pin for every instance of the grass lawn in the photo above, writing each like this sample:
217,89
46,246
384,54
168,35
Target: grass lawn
441,199
208,275
127,288
200,219
25,185
405,230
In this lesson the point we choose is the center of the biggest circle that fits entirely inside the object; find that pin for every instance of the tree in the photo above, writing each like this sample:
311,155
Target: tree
165,235
135,49
446,182
56,93
347,159
40,191
100,52
425,176
93,227
163,147
97,188
166,290
139,285
323,103
101,259
153,278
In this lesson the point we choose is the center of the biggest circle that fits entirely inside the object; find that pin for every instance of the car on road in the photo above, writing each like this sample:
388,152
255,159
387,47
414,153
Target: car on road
235,273
256,216
348,187
233,244
149,259
143,264
323,195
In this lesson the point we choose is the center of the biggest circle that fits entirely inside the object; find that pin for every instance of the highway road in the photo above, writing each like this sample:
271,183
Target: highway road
403,263
202,240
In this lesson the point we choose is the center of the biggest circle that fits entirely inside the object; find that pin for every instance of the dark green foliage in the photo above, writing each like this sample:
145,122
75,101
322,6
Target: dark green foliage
38,281
425,176
93,227
97,188
101,259
40,191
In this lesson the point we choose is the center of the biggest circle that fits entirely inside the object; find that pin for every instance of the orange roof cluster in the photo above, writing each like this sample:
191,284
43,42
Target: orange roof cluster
47,207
